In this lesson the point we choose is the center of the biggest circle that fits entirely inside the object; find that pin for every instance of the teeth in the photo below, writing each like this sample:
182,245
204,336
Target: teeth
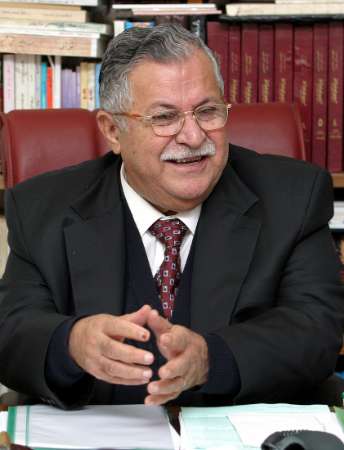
188,160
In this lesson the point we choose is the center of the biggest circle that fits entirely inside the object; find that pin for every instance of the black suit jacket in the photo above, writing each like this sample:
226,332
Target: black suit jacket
265,276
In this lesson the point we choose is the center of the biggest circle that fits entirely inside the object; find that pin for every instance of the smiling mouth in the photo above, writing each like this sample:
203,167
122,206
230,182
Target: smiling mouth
187,160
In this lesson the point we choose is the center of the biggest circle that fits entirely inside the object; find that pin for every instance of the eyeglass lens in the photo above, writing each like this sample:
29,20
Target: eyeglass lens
210,118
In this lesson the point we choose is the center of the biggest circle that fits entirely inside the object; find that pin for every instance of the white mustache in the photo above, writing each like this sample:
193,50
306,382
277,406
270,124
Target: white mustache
182,152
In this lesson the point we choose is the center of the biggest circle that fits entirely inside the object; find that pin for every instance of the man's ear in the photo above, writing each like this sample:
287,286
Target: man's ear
109,129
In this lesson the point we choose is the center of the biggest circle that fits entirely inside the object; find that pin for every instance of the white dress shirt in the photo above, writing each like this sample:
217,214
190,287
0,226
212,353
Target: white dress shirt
145,215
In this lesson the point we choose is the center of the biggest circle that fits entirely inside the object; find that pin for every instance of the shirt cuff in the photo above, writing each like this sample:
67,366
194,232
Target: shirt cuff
223,375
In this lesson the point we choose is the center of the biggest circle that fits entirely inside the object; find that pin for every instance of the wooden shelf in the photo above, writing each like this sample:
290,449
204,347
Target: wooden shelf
338,179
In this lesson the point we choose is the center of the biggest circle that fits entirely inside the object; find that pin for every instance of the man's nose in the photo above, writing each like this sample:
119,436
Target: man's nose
191,133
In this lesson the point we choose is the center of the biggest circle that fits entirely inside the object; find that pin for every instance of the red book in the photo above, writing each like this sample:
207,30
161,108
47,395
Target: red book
303,61
217,37
49,87
335,97
319,107
283,62
249,63
234,62
266,63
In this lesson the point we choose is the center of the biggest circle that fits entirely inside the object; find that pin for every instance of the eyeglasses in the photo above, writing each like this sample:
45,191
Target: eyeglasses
209,117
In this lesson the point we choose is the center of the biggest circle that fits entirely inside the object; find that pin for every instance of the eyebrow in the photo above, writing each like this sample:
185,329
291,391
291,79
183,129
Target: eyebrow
162,104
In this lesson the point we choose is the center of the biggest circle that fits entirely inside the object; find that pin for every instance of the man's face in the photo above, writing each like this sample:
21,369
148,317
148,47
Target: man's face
166,183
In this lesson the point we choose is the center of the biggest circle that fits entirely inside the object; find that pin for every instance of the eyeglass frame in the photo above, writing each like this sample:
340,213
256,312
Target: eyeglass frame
148,118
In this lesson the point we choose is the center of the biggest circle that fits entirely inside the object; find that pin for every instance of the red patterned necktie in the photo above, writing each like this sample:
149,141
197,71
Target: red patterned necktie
171,233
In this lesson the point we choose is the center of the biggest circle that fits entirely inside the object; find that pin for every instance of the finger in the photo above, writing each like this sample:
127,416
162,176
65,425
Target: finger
166,387
115,369
157,323
160,399
120,328
129,354
176,340
140,316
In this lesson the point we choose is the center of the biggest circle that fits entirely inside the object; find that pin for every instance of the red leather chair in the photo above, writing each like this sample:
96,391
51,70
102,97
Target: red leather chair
36,141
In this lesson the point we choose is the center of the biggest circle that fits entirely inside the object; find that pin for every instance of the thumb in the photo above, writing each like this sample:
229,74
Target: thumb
140,316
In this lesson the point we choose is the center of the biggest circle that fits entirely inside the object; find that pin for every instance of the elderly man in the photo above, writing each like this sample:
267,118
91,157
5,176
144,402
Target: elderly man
176,267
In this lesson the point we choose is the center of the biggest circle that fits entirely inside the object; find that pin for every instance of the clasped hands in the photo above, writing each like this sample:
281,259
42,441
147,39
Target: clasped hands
97,344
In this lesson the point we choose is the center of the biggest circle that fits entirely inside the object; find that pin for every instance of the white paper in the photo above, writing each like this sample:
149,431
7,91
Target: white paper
3,421
253,429
115,426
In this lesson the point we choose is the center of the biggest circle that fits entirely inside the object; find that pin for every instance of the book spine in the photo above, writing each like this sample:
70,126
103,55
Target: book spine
50,45
284,36
49,87
84,85
266,63
335,97
91,85
44,68
57,82
30,82
19,81
319,107
234,63
9,83
217,34
98,66
1,89
38,81
249,57
303,55
77,88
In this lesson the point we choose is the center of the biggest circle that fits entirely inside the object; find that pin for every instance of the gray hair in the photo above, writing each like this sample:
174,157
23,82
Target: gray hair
163,43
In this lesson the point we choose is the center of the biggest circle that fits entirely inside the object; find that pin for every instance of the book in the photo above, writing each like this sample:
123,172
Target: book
283,9
43,14
234,63
56,2
302,88
54,28
84,85
283,62
249,61
265,63
8,80
1,89
335,97
319,106
38,81
307,2
217,37
50,45
44,76
153,9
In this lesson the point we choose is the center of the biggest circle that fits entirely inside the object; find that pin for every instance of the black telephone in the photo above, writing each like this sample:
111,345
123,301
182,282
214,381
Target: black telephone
302,440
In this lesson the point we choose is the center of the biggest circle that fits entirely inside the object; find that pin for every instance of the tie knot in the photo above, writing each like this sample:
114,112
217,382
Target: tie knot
170,232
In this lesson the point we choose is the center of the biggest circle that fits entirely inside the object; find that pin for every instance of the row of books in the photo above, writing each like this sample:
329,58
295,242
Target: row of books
285,8
289,62
33,81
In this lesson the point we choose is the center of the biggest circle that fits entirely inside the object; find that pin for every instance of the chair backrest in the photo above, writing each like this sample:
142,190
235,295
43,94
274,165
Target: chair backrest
36,141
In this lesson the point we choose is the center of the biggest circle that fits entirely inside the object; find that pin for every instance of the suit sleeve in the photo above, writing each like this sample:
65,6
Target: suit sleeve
28,316
295,343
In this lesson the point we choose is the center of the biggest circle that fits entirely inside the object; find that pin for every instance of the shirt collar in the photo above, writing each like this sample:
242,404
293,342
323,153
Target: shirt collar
144,214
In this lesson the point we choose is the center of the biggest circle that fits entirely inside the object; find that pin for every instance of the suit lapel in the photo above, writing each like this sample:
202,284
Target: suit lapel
95,247
224,246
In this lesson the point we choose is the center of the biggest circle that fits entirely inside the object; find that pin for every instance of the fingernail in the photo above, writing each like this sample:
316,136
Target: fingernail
147,374
154,389
144,335
148,358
